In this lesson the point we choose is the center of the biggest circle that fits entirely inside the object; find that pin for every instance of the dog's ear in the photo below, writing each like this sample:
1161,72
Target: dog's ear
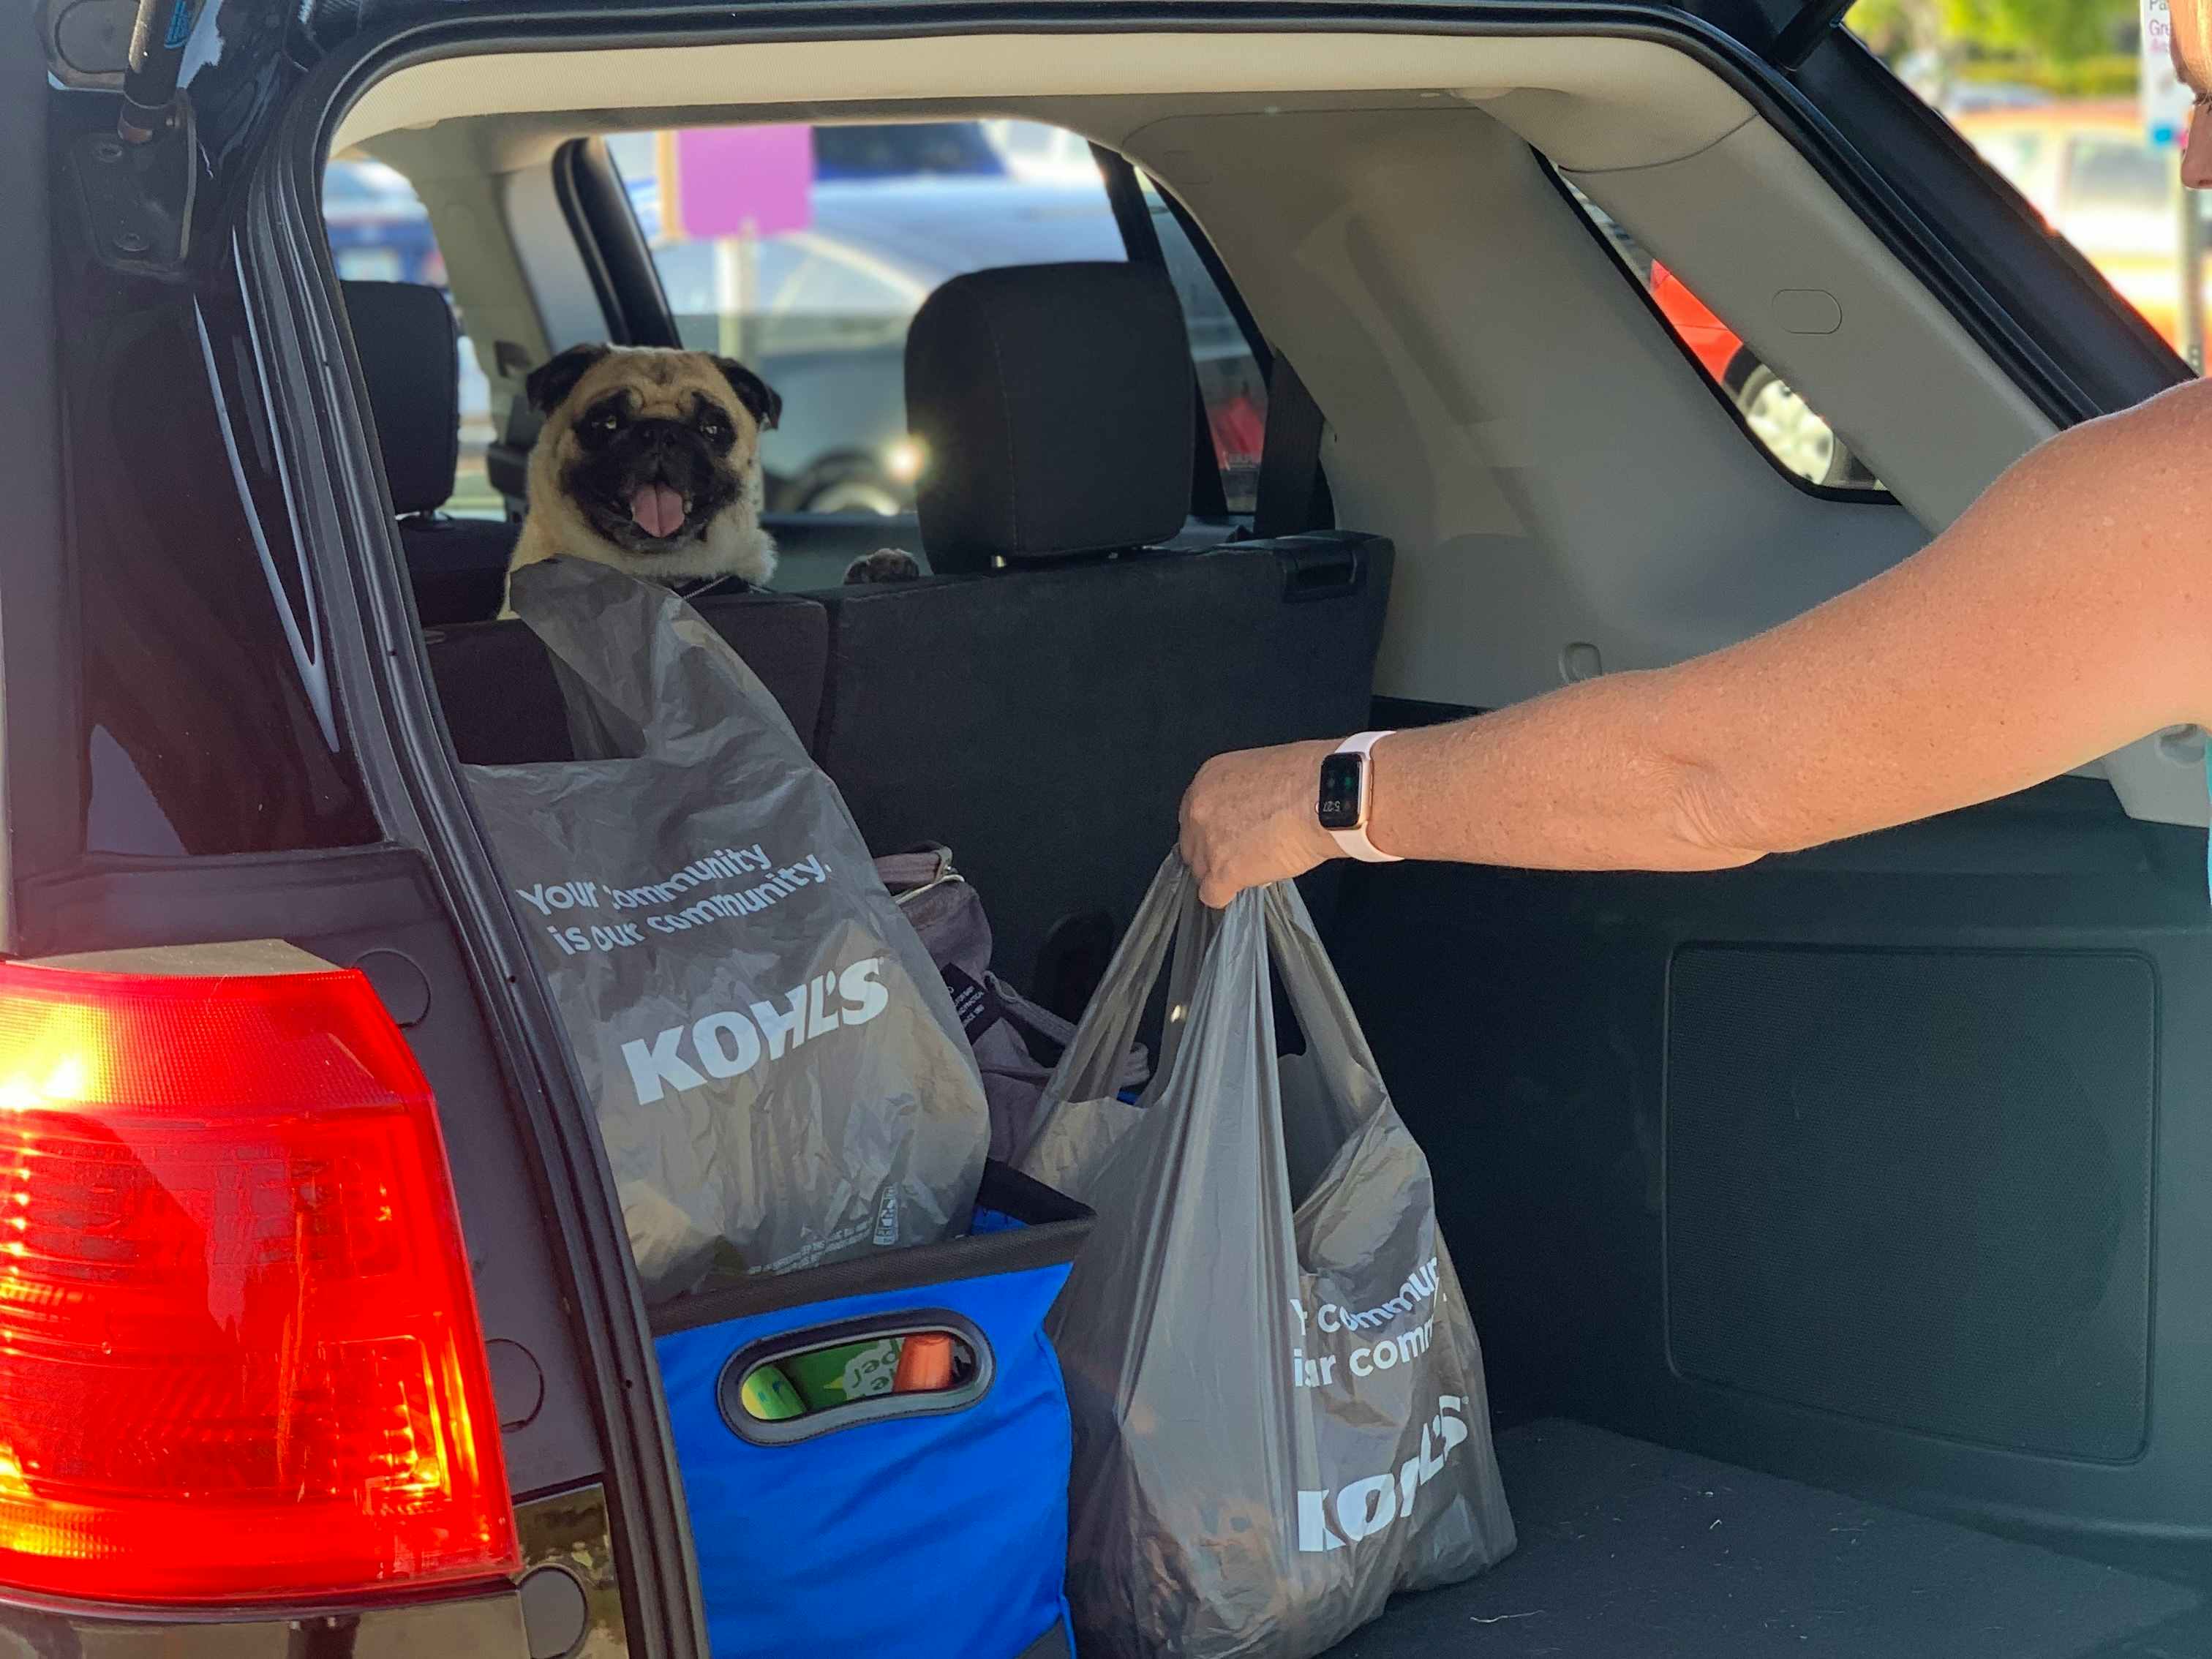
550,382
754,393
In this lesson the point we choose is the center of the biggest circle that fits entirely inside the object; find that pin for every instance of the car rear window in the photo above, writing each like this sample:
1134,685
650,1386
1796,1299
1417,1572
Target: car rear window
805,251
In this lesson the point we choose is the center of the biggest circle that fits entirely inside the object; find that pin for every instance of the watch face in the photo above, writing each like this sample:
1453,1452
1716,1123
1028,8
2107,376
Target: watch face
1339,790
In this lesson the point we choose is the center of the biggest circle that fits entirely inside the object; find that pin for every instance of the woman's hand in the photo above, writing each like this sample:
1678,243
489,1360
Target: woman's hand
1249,818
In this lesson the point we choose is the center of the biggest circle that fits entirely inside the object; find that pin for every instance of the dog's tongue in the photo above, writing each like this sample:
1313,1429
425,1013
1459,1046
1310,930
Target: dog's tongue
657,509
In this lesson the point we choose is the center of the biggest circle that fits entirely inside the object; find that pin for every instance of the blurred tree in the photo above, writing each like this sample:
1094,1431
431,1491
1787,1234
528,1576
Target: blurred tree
2054,31
2042,31
1896,29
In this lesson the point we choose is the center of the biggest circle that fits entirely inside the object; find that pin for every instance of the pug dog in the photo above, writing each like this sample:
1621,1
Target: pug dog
648,460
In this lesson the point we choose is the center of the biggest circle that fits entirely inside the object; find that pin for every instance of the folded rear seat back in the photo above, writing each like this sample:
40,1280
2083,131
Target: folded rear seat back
503,703
404,335
1041,713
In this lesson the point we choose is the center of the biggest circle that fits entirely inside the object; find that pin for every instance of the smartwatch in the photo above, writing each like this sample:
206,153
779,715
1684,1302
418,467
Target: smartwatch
1345,778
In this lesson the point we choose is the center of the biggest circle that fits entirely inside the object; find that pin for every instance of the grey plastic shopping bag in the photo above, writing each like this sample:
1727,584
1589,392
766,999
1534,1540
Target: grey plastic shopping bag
1279,1412
779,1077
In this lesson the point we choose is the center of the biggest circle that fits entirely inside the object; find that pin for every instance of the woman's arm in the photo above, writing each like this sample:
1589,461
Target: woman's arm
2068,613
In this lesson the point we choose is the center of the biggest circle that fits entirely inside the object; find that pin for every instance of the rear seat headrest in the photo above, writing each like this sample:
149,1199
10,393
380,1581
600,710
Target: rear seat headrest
1054,406
403,334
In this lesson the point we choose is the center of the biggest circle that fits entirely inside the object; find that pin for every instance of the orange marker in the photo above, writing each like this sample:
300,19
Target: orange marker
924,1364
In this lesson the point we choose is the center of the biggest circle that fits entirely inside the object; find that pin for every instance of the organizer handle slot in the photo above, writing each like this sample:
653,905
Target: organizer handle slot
803,1384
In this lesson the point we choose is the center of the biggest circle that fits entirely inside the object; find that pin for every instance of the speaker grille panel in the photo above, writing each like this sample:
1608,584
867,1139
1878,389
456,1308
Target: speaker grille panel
1914,1186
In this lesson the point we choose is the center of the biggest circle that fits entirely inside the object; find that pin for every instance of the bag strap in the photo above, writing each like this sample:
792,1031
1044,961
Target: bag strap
1336,1046
641,671
1170,917
1287,948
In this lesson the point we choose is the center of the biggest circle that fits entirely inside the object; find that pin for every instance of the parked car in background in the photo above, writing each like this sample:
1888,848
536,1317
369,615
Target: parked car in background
1778,416
377,228
1036,151
2092,173
1793,436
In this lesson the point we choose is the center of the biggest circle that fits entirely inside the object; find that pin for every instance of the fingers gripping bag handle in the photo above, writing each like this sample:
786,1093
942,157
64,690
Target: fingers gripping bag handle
624,702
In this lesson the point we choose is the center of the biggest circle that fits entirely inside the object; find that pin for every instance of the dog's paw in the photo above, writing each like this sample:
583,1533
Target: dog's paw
885,564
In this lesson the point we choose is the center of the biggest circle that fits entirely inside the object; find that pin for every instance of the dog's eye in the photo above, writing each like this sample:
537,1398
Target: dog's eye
714,427
607,422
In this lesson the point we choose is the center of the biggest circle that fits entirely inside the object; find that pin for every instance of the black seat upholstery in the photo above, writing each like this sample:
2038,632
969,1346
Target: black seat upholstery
1053,402
503,706
1042,715
403,333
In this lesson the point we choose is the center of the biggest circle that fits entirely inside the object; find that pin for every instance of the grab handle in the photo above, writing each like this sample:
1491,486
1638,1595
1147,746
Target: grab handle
801,1384
1321,568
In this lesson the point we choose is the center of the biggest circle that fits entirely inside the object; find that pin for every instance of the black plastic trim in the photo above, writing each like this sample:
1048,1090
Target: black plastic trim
42,791
476,1618
1053,1227
1263,354
1141,241
613,249
1802,35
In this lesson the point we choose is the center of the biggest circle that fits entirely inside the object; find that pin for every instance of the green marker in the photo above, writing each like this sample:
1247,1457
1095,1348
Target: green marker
767,1395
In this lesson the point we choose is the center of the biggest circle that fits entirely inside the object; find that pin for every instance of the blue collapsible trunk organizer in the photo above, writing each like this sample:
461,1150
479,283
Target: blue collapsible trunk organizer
930,1525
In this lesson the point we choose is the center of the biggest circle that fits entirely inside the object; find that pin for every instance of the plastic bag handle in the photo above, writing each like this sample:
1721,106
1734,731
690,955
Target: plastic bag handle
623,702
1172,915
1089,1066
1317,996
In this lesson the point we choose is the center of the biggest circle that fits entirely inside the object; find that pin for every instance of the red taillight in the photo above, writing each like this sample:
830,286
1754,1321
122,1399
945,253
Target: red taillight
238,1351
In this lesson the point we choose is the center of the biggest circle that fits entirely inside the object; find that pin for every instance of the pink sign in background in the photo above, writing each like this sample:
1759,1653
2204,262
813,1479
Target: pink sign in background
733,179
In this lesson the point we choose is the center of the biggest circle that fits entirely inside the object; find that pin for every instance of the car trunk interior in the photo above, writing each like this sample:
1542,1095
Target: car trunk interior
1830,1225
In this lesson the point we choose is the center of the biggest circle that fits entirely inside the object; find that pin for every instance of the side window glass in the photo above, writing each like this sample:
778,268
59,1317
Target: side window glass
1228,378
806,251
1776,417
380,232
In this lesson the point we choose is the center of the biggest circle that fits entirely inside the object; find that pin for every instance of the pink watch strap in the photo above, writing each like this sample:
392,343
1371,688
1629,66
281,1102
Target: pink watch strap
1353,843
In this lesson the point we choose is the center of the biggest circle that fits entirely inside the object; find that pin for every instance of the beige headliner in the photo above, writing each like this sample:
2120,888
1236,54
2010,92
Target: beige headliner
1610,103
